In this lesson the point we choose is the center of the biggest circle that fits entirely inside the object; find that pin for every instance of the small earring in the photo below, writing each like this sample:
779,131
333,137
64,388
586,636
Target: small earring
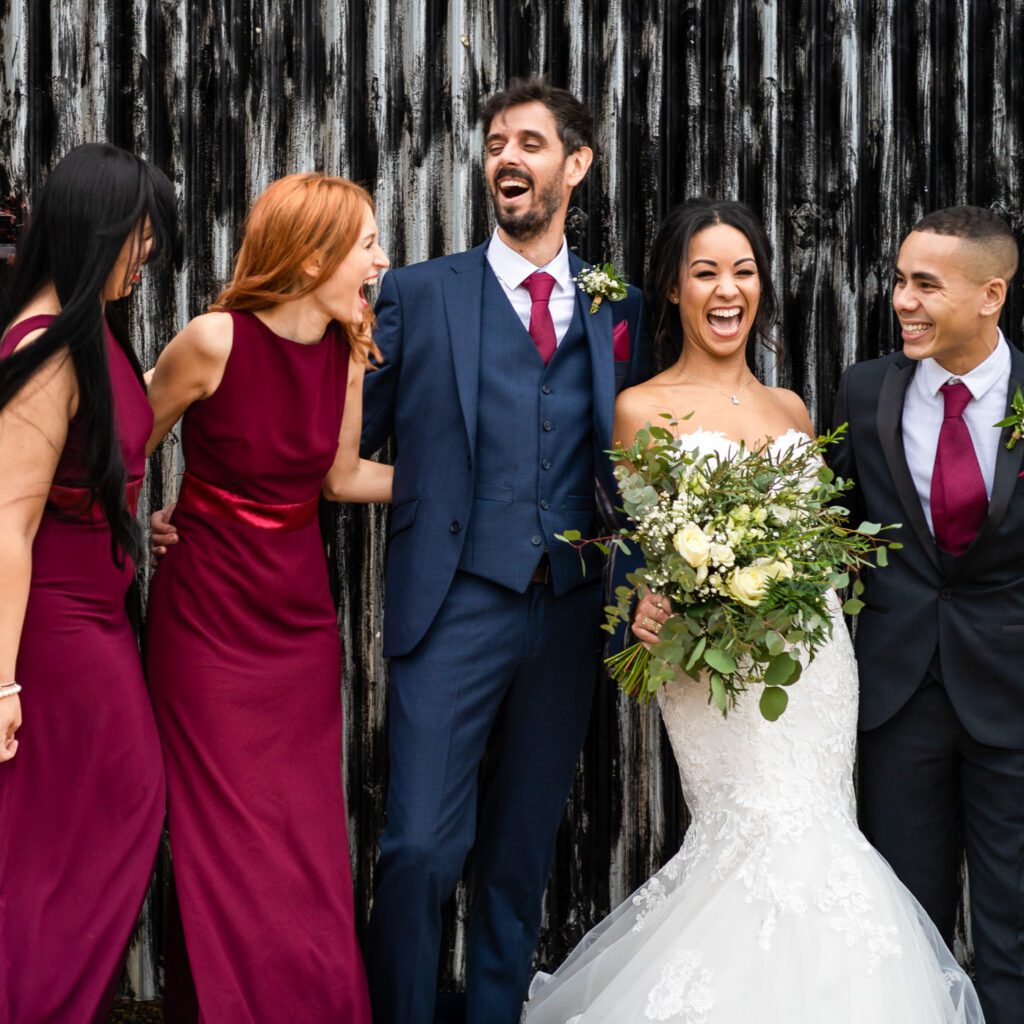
674,299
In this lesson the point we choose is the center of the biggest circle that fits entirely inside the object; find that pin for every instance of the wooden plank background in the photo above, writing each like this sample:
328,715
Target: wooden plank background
840,121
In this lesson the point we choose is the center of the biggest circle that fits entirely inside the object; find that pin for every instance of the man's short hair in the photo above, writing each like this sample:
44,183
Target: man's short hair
982,228
573,120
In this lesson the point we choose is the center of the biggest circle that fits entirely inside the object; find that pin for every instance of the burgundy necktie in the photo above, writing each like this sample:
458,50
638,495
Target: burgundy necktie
542,327
959,499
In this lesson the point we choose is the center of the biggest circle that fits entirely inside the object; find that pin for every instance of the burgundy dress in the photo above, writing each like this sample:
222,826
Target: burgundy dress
244,666
82,803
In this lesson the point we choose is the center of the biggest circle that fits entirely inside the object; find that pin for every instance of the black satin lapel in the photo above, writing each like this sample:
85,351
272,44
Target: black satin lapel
890,435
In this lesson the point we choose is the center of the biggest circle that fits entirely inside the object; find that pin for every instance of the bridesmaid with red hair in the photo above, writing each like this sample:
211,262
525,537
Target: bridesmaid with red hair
243,653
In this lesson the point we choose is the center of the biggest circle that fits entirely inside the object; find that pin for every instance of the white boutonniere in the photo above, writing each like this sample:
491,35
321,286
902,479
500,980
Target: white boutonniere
601,283
1016,420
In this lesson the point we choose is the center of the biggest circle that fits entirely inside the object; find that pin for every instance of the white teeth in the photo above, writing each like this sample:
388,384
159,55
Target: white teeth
915,328
727,314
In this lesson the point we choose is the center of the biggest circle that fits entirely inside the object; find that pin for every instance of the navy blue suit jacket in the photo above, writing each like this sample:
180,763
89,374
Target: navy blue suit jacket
424,397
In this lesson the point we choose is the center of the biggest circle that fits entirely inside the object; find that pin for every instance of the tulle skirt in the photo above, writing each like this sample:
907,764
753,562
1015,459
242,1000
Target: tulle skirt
775,931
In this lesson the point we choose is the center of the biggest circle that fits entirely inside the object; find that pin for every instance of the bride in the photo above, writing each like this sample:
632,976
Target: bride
776,909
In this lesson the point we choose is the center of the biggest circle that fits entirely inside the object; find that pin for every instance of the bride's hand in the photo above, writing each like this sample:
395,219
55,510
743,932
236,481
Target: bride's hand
651,614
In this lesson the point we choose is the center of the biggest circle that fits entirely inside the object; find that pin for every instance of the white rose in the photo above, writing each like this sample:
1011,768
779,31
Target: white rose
780,569
692,544
748,585
781,514
722,554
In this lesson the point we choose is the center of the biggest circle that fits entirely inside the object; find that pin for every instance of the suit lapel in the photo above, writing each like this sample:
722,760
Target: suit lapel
598,329
1007,470
463,289
890,436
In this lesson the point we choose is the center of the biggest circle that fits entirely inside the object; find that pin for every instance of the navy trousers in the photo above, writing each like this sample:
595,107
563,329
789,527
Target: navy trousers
923,781
506,674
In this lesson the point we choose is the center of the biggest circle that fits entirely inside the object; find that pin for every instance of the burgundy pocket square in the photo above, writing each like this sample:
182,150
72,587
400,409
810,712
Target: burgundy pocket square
620,342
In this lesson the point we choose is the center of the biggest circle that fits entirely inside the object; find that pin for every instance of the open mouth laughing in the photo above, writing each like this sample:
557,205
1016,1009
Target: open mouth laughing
725,321
512,184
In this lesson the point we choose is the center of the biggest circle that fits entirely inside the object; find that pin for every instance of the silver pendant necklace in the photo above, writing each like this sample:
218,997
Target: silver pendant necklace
732,396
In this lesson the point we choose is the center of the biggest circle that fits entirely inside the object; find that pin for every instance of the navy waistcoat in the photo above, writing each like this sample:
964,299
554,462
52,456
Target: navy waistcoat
534,472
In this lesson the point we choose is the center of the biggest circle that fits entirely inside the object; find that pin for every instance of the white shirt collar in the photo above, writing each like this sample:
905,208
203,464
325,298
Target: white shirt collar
983,377
512,269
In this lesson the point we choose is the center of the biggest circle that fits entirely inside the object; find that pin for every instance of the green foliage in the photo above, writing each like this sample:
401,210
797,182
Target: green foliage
748,546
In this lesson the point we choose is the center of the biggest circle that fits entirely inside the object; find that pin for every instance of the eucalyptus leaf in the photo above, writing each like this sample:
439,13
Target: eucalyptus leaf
696,653
773,702
780,670
721,661
718,693
854,606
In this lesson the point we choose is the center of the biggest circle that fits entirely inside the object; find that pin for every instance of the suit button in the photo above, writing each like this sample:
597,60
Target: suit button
546,464
945,593
456,526
546,389
544,504
547,424
536,541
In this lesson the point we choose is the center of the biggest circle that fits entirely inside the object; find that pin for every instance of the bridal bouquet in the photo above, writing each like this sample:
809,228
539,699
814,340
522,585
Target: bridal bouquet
747,545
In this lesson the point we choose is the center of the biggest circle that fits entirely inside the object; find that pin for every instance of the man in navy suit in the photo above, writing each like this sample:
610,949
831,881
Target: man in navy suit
940,645
497,389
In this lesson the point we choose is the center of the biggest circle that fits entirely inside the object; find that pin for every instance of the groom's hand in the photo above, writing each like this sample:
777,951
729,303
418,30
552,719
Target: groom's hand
651,614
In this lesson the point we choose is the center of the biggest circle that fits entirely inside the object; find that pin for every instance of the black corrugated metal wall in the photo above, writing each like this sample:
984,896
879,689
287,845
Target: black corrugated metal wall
840,121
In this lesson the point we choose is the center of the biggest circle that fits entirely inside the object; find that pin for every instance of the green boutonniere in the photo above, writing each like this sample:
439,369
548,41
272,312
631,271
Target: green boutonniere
1016,420
601,283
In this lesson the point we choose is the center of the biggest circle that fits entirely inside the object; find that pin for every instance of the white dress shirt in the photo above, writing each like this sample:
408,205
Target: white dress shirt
512,270
924,409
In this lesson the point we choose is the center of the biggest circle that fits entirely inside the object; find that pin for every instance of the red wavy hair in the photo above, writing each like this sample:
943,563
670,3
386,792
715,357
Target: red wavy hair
297,218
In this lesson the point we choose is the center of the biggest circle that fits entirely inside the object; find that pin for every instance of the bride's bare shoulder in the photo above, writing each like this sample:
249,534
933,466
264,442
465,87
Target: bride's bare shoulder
639,405
790,404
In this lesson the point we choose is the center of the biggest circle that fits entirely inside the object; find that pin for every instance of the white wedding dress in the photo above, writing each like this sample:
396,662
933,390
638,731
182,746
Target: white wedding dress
776,910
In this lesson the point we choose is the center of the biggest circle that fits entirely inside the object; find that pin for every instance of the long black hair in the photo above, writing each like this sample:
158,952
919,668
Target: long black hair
94,200
671,247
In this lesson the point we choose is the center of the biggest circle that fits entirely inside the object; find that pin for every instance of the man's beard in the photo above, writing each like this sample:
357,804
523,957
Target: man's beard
532,222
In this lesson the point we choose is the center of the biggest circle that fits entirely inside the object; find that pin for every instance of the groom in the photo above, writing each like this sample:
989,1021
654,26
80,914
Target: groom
497,388
940,645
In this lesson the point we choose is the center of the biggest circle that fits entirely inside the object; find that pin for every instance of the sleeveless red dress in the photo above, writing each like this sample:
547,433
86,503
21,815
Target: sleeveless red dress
244,665
82,803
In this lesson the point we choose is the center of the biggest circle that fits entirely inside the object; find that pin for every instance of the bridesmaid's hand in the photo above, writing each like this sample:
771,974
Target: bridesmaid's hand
10,723
651,614
163,532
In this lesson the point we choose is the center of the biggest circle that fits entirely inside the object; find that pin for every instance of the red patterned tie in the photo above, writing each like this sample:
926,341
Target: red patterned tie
959,499
542,327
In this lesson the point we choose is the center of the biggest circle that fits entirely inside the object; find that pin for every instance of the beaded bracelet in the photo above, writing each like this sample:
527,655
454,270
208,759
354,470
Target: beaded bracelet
9,689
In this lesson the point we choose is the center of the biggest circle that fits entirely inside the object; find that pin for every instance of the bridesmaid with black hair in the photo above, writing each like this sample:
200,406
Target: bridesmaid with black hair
81,786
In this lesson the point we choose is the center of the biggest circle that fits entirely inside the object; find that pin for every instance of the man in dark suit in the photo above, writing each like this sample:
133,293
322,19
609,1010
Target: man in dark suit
497,388
940,644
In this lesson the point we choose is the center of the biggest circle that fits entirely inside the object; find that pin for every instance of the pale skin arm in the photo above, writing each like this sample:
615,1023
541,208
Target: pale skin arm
351,478
33,430
188,370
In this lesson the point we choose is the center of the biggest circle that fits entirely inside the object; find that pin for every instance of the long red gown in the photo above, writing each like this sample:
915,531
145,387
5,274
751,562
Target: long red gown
82,803
244,665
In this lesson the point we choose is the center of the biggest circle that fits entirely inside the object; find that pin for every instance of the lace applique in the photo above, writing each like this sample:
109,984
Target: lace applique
651,898
847,899
684,991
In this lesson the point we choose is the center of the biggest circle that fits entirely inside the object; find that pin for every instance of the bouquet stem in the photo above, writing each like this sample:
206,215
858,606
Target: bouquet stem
629,669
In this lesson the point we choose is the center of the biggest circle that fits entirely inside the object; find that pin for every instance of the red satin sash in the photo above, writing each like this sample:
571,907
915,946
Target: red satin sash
77,502
198,496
